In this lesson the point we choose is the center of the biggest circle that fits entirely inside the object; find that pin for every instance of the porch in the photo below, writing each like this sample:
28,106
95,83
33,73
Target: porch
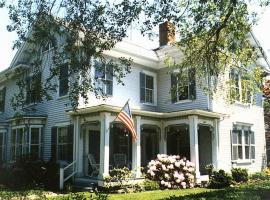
102,143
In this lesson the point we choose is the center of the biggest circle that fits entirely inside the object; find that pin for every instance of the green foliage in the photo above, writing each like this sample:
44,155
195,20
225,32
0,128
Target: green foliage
239,175
118,179
39,174
149,185
259,176
220,179
214,37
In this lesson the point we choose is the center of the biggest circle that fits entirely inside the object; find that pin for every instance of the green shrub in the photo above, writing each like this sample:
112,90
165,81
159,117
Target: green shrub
259,176
239,175
150,185
220,179
118,179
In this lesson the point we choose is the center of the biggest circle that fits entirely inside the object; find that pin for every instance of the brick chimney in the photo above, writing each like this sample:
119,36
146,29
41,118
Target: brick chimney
166,33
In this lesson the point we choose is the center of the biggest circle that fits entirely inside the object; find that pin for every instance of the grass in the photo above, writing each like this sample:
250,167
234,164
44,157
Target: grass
252,191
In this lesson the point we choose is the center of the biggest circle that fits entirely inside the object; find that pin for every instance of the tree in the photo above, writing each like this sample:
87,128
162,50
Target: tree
214,37
266,93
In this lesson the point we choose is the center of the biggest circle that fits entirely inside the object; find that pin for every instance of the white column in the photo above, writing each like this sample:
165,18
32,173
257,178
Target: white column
194,145
104,144
163,140
215,144
136,149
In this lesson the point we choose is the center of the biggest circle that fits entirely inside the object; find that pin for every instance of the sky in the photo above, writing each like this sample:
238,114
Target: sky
261,31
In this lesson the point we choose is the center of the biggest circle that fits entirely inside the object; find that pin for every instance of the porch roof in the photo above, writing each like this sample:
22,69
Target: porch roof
159,115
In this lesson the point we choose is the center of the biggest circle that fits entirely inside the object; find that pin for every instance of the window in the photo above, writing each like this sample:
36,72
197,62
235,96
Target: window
26,142
240,88
147,88
64,143
63,80
2,99
183,87
104,79
2,146
33,89
243,143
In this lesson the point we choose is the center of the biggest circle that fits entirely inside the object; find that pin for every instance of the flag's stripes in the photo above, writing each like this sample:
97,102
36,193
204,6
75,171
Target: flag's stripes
127,122
126,117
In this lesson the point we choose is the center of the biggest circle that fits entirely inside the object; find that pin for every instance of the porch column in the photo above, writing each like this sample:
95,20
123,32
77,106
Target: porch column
215,144
136,149
163,141
104,144
194,146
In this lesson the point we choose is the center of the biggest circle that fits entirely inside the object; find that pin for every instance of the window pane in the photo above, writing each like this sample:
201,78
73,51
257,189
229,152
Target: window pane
240,153
149,82
149,96
234,153
246,137
234,137
252,138
247,152
183,93
109,73
63,80
252,152
62,152
239,137
1,139
109,87
62,135
34,135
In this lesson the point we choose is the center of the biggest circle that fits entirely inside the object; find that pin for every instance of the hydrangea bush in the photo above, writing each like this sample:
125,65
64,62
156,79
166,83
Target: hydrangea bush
172,171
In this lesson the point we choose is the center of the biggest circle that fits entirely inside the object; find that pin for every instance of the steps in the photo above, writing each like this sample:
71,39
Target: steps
83,184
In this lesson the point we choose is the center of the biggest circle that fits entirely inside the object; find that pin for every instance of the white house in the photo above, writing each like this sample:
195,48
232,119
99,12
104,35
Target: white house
190,123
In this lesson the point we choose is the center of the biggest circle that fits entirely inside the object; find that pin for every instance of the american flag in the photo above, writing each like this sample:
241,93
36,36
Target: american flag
126,117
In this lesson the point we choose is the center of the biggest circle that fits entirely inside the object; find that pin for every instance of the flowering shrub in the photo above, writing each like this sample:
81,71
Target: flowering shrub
171,171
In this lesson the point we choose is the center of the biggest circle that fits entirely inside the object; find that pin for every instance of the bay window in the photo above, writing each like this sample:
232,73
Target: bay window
26,141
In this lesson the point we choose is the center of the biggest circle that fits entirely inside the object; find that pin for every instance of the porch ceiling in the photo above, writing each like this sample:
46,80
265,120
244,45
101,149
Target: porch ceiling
159,115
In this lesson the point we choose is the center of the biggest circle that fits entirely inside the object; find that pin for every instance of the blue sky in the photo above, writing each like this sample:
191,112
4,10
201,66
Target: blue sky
261,31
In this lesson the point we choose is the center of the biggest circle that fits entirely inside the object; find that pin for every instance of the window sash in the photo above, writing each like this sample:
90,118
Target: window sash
105,80
242,149
146,88
21,143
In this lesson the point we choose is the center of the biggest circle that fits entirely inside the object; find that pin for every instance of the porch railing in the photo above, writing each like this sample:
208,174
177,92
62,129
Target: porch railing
71,168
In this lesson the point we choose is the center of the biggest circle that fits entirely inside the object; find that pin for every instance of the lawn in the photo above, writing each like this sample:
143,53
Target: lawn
252,191
258,191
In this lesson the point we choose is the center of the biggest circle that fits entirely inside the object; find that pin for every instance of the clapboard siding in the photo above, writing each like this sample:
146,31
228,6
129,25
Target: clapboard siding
164,96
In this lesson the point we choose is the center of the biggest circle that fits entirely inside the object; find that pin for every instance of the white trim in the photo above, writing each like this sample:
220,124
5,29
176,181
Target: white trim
183,101
62,124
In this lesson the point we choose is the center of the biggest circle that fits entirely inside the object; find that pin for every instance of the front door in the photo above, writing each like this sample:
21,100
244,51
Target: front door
205,148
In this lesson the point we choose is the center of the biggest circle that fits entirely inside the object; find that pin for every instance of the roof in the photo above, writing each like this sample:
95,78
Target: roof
159,115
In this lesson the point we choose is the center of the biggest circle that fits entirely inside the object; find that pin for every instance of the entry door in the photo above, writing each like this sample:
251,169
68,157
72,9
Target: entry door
205,148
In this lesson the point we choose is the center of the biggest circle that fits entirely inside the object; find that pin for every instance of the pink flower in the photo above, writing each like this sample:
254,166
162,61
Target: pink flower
177,164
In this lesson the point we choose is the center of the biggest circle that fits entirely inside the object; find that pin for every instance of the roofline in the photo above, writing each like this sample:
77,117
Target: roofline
159,115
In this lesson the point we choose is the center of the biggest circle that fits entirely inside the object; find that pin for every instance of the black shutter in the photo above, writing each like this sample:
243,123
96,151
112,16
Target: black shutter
192,84
70,142
53,143
2,101
173,88
41,143
28,90
38,88
142,87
